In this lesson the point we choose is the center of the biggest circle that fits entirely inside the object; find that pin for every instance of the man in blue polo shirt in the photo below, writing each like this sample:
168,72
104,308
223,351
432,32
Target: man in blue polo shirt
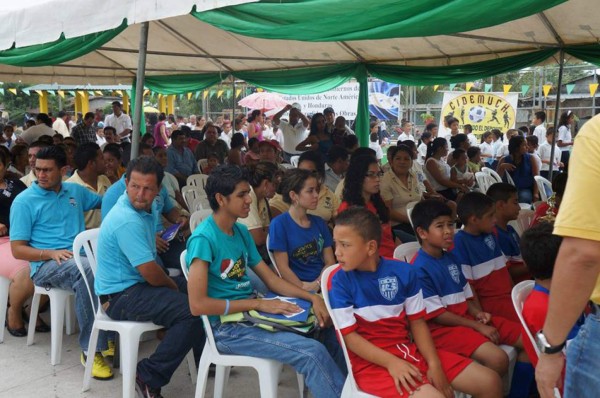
44,221
132,286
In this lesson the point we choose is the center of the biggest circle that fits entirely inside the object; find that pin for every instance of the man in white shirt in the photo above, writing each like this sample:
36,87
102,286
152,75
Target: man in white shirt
294,131
226,133
545,150
60,124
374,145
42,127
540,129
120,121
468,130
406,131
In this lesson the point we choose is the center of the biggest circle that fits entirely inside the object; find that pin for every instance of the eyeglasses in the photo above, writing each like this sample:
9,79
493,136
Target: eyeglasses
374,174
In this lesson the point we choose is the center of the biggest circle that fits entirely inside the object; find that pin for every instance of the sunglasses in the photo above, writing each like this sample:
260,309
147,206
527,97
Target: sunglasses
374,174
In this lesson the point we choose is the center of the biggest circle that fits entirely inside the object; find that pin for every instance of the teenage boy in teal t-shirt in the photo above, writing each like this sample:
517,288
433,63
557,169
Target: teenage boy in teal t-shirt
218,253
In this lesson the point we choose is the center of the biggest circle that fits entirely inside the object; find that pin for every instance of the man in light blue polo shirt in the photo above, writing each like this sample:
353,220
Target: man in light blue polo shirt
44,221
132,286
182,162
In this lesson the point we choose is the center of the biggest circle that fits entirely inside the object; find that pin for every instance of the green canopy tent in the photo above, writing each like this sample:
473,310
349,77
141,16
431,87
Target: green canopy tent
273,45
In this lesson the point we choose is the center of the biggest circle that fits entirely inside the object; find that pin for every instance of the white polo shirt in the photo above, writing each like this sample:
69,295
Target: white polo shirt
292,136
120,123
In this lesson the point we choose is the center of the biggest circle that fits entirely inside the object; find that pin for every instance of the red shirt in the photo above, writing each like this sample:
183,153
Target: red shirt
387,245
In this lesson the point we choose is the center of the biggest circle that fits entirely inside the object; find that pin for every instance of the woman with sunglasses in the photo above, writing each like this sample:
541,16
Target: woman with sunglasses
361,188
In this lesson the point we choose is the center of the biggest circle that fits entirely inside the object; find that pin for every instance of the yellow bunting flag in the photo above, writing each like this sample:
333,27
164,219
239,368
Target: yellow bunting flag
546,89
220,93
469,86
99,93
13,90
189,96
506,88
61,93
436,87
238,92
205,94
119,92
593,88
39,92
259,90
146,92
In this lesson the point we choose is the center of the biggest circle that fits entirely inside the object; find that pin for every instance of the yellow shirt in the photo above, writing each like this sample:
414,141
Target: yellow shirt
259,214
579,215
93,217
393,189
326,208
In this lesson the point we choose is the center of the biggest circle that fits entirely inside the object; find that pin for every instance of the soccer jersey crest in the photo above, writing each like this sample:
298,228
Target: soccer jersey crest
489,241
454,272
388,287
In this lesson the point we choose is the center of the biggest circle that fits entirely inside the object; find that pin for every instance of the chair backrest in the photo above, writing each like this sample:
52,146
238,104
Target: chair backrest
492,173
294,160
524,219
202,163
190,193
272,257
197,180
509,179
88,242
325,291
409,208
483,181
210,339
198,216
406,251
542,184
199,203
519,293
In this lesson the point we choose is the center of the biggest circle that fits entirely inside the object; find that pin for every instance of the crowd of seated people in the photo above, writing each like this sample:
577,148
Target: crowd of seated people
276,228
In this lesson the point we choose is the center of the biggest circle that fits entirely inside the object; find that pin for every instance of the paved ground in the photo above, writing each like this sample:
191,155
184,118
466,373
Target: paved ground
26,372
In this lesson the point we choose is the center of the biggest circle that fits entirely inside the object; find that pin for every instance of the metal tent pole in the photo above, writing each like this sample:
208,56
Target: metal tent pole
139,90
556,110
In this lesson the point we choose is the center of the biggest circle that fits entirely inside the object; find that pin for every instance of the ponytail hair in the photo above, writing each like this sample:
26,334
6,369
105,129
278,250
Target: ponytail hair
434,145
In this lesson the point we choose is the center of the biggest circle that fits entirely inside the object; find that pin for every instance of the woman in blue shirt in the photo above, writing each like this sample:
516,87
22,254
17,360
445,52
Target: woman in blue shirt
301,243
521,168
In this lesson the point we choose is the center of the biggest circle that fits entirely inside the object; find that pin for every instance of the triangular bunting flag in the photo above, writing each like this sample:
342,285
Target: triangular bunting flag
119,92
259,90
61,93
435,88
212,93
52,93
146,92
546,89
421,87
99,93
238,92
189,96
469,86
180,96
593,88
13,90
128,93
39,92
2,91
570,88
197,94
452,85
72,93
91,93
524,89
228,94
220,93
487,87
25,91
506,88
205,94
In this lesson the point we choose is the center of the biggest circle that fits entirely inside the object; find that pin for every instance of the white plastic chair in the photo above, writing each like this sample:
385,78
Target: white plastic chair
542,184
523,221
272,257
197,180
129,331
191,193
406,251
409,208
268,369
519,294
198,216
484,181
492,173
202,163
199,203
4,286
61,303
294,160
350,389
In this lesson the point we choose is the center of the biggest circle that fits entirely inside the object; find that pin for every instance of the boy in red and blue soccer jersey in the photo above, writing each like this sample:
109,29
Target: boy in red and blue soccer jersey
377,302
482,261
506,202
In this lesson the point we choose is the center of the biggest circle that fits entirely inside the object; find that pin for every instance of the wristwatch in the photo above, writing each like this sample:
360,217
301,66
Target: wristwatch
544,346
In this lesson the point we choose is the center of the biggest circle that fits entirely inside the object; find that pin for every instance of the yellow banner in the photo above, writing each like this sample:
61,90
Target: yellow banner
546,88
189,96
506,88
469,86
593,88
483,111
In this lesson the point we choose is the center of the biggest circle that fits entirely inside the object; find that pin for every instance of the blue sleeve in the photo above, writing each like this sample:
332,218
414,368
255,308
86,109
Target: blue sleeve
328,240
342,301
200,247
21,220
460,254
277,234
110,198
254,257
414,304
133,243
171,163
89,199
168,203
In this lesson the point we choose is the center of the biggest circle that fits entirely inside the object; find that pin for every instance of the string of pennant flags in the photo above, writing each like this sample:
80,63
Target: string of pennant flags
225,94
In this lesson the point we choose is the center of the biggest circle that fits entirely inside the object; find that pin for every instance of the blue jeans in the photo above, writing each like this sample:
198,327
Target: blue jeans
67,276
166,307
525,195
582,378
306,355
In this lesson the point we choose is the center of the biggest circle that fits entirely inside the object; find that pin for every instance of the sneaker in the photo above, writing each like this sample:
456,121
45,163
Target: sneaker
100,370
110,353
144,390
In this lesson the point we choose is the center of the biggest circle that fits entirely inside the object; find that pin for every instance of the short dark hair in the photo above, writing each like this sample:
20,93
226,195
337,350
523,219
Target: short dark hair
237,140
114,149
501,191
89,115
61,114
293,181
350,141
374,137
362,151
176,134
143,147
317,159
468,127
457,153
362,221
116,103
55,153
473,204
336,153
255,174
532,140
559,184
473,151
541,116
426,211
85,153
111,128
38,144
46,139
59,135
146,165
223,180
539,249
44,118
